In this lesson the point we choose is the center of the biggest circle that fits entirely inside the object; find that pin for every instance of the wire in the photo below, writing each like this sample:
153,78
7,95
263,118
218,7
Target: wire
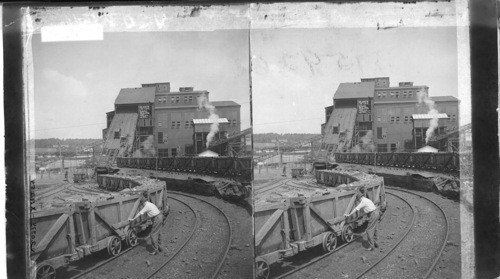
70,127
299,120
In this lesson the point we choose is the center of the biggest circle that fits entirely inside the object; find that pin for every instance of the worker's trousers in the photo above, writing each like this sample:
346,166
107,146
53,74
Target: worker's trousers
155,235
371,229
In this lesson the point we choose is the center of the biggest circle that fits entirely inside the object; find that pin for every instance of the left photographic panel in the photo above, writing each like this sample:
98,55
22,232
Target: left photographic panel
138,142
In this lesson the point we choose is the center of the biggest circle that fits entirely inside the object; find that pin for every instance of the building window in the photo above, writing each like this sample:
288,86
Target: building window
185,99
335,130
172,99
192,124
406,119
173,124
379,95
383,95
186,124
410,94
393,147
177,99
392,94
174,152
160,137
190,99
381,147
392,119
162,152
397,119
453,118
404,94
178,124
397,95
379,133
117,135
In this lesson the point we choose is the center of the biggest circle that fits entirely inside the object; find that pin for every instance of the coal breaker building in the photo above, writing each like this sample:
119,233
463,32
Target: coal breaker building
153,120
371,116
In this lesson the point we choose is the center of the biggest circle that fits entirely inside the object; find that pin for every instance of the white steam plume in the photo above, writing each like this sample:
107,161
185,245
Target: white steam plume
203,103
148,149
433,123
366,144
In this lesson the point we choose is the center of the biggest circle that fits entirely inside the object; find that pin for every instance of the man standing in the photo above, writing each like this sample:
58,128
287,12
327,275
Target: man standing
156,217
373,213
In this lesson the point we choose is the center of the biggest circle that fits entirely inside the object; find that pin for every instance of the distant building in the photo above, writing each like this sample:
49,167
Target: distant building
153,120
372,116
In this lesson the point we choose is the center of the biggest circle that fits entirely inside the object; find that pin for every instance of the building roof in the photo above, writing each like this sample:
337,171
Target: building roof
429,116
444,99
181,92
401,87
125,123
225,104
355,90
210,121
139,95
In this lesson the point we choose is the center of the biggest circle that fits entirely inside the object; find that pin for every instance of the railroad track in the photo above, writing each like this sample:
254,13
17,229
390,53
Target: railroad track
303,184
225,250
398,243
156,272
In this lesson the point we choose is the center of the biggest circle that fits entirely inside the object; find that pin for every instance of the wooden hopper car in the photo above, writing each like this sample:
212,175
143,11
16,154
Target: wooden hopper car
66,234
286,228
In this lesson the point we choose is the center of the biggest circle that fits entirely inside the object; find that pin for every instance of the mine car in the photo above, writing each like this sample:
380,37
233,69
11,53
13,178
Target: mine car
65,233
290,226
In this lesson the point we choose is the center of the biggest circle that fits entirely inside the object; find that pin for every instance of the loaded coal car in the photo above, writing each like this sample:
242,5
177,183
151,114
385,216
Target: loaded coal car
217,166
68,231
290,226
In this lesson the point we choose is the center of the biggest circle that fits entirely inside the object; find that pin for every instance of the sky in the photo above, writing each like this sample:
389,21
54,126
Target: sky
295,72
76,83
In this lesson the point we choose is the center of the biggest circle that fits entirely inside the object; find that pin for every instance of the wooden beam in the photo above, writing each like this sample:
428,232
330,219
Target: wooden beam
307,221
106,222
47,239
321,217
264,230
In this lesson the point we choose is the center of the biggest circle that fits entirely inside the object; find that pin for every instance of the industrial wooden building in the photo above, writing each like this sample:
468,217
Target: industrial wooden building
371,115
153,120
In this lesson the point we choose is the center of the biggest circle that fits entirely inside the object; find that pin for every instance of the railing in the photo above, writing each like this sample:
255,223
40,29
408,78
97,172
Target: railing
427,161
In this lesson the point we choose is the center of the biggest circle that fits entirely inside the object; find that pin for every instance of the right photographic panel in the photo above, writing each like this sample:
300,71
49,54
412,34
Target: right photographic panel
362,140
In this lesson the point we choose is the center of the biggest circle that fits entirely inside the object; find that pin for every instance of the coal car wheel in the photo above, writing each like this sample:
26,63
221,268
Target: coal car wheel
262,269
347,233
114,246
131,238
329,242
45,271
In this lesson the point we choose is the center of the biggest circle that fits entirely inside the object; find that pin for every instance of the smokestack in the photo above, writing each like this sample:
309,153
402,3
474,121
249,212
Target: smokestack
203,103
433,112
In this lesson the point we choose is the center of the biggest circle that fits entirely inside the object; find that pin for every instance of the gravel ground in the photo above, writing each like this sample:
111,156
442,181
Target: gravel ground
200,257
449,265
413,257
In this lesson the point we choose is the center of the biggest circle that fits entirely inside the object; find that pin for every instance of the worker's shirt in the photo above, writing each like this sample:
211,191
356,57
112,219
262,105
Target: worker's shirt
366,205
150,209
